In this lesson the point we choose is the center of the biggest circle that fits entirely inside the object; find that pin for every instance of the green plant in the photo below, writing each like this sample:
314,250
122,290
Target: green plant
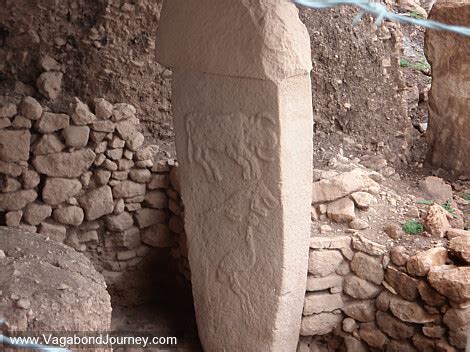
467,197
413,227
448,206
421,65
415,14
425,201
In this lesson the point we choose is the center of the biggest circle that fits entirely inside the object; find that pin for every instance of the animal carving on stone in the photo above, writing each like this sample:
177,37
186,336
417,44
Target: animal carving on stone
240,262
245,139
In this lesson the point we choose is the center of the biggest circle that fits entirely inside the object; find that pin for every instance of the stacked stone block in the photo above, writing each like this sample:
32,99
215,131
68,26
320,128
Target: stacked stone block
84,177
374,299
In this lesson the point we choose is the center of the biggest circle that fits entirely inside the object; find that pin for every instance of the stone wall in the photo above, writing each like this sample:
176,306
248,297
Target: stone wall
84,177
366,298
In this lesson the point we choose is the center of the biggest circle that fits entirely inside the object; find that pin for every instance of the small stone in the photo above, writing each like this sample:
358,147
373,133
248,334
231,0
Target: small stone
436,189
110,165
119,206
458,338
13,218
349,325
20,122
81,114
30,108
57,190
104,126
341,210
422,343
123,111
51,122
404,285
372,335
158,236
10,169
147,153
14,145
140,175
362,200
114,154
394,231
399,256
358,224
126,255
156,199
420,263
324,283
436,221
119,222
367,267
159,181
48,144
30,179
23,304
360,288
324,262
48,63
443,346
129,189
325,229
135,141
117,142
434,331
71,215
452,233
129,238
363,311
49,84
54,231
456,319
146,217
10,185
103,108
133,206
340,186
17,200
383,301
97,203
120,175
367,246
102,176
125,164
450,281
5,122
343,269
410,312
319,324
7,110
34,214
76,136
460,248
338,242
318,302
430,295
393,327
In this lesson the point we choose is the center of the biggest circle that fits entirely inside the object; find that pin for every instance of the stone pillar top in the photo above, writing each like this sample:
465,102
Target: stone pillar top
261,39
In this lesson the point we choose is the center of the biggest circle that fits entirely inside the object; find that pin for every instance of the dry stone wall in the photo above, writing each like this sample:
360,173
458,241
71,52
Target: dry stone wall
84,177
371,298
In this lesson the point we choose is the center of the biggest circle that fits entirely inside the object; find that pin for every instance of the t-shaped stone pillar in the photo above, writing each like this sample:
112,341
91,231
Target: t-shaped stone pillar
242,110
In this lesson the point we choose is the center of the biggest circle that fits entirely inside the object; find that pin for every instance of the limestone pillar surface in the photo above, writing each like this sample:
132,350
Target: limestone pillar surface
243,121
449,97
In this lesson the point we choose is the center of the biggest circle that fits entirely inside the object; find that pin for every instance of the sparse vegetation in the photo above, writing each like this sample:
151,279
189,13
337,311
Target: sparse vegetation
421,65
425,201
413,227
467,197
448,206
415,14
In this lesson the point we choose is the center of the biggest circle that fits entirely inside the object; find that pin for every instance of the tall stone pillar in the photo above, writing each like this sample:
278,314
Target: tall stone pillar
243,122
449,98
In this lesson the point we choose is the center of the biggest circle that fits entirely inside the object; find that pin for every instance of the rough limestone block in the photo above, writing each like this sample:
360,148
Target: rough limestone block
243,121
449,97
14,145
